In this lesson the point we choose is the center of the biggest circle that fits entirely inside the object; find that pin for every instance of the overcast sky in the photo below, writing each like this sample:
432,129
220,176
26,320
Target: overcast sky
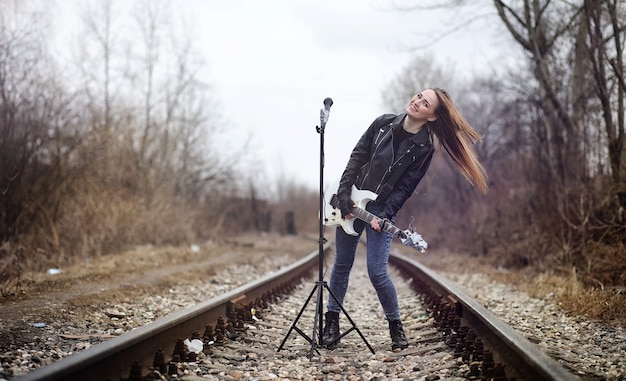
273,62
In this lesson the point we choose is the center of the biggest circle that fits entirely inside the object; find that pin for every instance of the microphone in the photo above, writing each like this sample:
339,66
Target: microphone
327,103
325,112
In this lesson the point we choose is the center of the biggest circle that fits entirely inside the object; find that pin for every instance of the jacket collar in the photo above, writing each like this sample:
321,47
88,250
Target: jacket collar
422,136
397,121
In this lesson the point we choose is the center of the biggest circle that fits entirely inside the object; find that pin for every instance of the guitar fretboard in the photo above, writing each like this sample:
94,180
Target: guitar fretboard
388,227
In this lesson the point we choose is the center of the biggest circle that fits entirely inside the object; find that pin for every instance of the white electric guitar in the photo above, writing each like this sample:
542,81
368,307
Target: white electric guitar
332,217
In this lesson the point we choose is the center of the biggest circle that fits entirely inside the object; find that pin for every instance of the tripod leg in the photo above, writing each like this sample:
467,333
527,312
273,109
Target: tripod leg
318,320
294,326
354,327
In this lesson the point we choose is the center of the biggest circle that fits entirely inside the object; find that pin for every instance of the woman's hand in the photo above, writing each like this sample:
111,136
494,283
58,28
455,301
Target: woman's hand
350,216
375,224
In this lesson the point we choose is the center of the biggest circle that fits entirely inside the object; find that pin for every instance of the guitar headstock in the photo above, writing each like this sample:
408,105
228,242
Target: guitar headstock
414,240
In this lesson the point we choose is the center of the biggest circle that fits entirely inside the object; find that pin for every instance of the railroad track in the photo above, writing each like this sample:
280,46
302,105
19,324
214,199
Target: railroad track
252,333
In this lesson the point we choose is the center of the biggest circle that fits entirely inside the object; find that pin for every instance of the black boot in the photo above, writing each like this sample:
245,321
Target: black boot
398,340
331,330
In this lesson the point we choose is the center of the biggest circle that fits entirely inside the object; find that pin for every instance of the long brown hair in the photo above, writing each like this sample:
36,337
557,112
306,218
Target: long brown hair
457,137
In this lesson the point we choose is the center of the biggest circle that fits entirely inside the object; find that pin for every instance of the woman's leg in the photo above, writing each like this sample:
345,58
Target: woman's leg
345,251
378,246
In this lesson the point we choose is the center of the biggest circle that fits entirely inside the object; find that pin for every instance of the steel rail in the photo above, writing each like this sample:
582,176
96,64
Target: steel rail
522,358
114,358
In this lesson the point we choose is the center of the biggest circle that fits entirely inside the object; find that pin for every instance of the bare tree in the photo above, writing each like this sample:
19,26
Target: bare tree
592,34
23,135
39,134
151,19
420,73
554,133
543,29
98,46
604,39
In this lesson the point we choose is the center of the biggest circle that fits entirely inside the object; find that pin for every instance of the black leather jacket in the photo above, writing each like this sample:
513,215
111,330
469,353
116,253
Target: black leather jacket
373,162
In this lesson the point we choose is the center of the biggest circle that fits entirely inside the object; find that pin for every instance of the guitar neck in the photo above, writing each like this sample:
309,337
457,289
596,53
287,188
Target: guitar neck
366,216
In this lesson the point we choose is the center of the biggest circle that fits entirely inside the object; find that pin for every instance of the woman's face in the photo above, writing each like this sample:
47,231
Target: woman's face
423,105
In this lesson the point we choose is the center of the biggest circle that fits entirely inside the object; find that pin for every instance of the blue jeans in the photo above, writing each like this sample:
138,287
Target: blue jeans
378,246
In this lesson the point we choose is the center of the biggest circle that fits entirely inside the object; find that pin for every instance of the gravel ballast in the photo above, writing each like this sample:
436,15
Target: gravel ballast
590,349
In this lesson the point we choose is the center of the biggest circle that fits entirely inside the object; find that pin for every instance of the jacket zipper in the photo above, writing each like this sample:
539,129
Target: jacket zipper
381,135
394,161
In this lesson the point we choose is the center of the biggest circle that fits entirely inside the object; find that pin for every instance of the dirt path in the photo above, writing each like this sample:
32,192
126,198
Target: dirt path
131,274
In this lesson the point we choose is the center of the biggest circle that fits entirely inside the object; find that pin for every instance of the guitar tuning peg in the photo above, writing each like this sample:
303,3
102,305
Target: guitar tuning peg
414,240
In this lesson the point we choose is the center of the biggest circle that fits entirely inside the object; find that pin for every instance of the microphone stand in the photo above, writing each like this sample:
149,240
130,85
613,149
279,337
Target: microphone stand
318,322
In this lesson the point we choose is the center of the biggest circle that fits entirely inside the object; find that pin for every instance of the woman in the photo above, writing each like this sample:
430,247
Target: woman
390,159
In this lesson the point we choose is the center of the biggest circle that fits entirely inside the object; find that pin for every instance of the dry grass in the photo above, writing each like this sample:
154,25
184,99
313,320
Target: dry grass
574,293
602,304
589,282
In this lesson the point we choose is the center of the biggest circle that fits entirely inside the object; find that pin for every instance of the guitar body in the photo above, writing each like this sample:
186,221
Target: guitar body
332,213
332,216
